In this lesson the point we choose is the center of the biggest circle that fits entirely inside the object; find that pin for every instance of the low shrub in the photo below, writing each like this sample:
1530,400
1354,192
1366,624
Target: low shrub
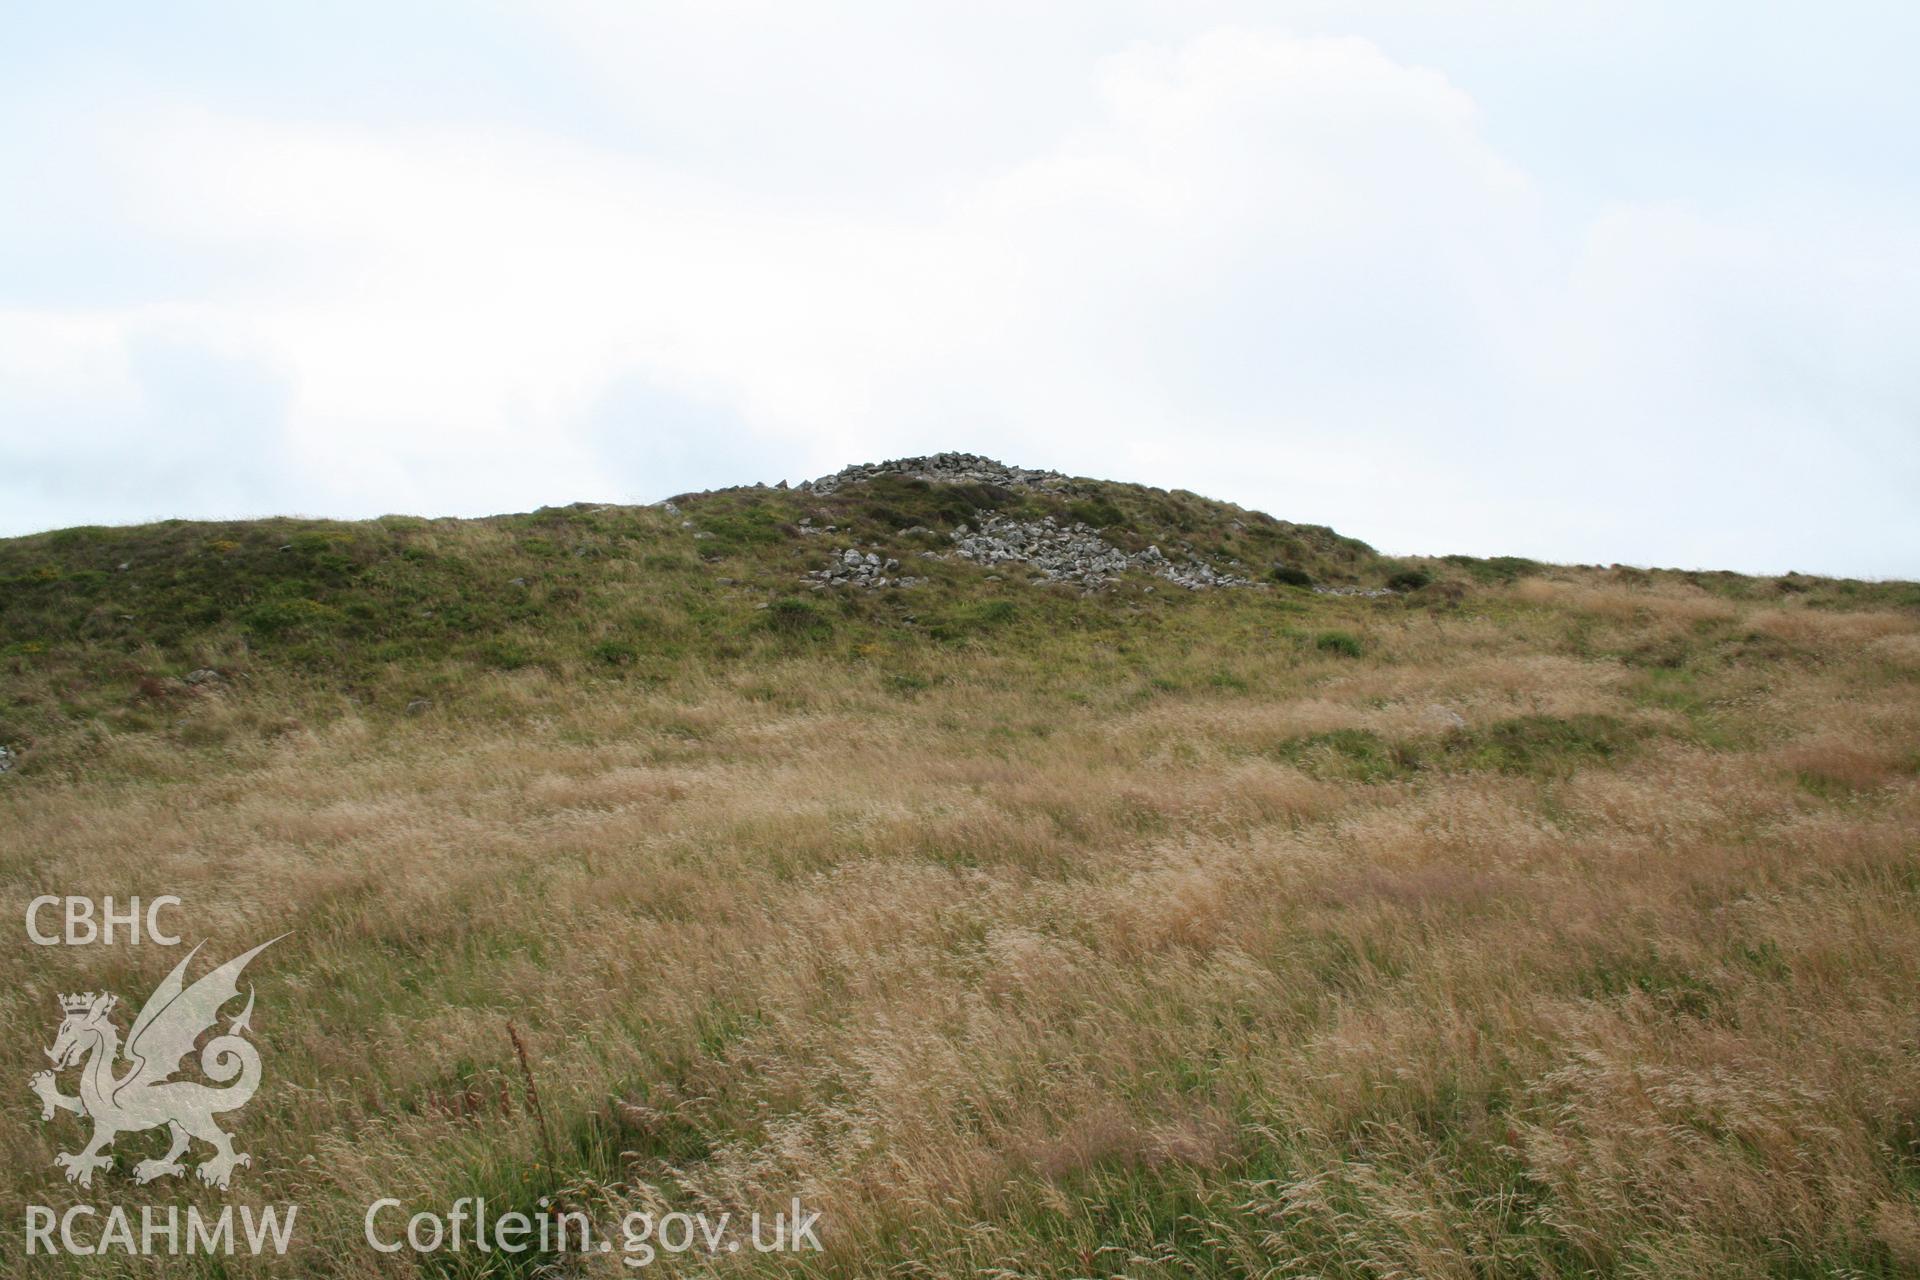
1409,580
1343,643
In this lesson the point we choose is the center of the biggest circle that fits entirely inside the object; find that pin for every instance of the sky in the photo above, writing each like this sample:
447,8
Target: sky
1592,282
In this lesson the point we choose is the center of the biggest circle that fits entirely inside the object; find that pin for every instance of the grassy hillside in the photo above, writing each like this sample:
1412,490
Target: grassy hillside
98,626
1529,921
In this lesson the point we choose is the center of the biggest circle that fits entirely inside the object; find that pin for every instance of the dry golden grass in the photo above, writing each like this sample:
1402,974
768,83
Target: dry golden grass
1012,978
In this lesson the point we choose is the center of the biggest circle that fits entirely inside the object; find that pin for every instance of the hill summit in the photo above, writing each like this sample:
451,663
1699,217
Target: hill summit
943,468
136,629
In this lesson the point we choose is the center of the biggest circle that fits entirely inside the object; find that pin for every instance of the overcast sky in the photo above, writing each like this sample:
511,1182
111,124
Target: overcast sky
1586,281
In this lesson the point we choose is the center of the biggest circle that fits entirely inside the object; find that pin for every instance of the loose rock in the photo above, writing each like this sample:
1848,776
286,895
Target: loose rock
1078,554
945,468
851,568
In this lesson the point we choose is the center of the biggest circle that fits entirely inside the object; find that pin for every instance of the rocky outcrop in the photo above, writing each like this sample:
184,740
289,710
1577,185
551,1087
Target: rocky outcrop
942,468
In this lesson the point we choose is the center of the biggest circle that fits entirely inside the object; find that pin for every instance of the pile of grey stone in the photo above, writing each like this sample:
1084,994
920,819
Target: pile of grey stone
1077,554
1071,553
850,568
943,468
6,760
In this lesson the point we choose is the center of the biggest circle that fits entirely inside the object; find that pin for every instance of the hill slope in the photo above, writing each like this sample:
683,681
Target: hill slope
1534,921
100,627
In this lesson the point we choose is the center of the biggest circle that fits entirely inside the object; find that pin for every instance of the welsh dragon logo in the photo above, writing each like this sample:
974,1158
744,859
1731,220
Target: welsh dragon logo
144,1096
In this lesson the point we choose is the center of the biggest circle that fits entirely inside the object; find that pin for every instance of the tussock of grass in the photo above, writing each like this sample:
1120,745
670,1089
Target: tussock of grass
1536,745
1343,643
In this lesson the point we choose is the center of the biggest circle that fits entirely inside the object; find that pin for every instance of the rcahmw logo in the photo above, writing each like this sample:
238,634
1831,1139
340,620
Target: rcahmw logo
132,1090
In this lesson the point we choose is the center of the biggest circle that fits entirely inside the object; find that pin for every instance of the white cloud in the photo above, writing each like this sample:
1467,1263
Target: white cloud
1289,270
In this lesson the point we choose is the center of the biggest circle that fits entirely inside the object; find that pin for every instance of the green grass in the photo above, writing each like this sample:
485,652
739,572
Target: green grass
1359,755
1496,569
1342,644
99,625
1535,745
1544,746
